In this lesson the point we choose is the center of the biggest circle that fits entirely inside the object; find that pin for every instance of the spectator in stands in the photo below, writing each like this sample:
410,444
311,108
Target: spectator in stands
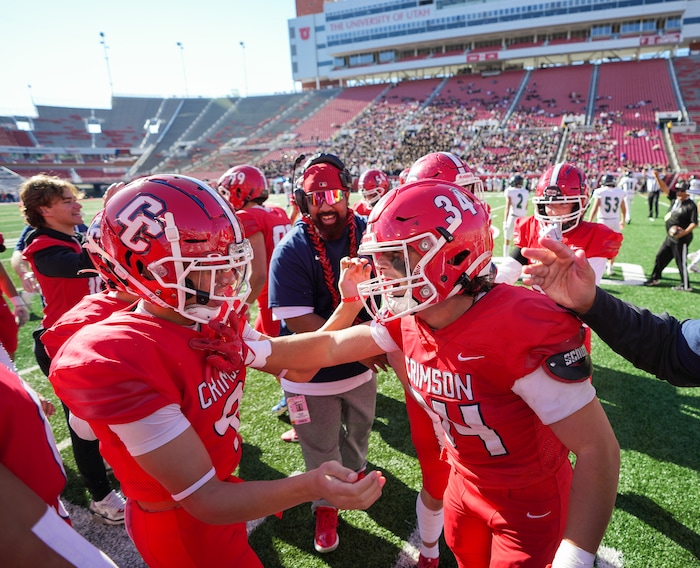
681,220
65,275
670,350
610,209
334,412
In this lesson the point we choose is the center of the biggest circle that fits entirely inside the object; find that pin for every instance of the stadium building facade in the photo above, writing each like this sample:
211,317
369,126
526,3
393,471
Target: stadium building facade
356,42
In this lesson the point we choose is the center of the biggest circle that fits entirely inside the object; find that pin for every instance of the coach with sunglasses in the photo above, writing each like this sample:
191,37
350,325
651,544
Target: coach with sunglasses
334,412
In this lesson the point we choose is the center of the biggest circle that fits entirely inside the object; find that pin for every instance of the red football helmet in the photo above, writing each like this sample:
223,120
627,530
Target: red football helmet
373,185
447,226
561,183
93,244
403,175
172,238
447,166
241,184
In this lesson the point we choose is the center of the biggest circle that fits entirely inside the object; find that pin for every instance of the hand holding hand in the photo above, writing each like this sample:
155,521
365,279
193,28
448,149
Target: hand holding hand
342,489
47,406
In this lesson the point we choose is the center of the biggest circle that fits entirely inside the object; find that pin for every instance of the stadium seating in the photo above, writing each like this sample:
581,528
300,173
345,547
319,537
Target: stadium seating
498,122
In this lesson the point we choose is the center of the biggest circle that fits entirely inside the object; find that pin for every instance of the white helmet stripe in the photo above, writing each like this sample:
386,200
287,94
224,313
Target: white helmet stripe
555,174
455,160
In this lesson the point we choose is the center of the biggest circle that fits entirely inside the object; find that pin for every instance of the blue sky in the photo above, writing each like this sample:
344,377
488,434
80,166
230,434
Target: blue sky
56,48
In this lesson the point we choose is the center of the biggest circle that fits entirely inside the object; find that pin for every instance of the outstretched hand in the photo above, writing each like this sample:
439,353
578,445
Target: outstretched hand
341,487
562,273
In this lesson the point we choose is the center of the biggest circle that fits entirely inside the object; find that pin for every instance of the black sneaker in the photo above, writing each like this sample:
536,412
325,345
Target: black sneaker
651,282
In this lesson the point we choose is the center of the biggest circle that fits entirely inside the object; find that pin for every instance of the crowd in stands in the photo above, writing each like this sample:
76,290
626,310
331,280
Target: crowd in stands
512,121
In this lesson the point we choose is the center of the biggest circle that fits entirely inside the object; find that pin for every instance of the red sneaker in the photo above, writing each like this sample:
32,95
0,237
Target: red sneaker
326,537
424,562
290,436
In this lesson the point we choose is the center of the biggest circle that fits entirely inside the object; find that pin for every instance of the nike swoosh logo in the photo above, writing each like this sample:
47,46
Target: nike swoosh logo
460,357
531,516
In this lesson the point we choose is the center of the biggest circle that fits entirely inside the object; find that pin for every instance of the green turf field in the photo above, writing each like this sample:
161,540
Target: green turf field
655,523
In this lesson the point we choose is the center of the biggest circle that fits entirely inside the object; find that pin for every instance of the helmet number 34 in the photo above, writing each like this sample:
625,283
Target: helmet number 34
442,202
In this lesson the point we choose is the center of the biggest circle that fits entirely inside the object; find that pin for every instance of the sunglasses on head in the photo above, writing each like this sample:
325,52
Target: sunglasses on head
330,196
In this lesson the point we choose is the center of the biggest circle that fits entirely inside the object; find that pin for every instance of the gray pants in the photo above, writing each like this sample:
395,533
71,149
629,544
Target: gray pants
339,429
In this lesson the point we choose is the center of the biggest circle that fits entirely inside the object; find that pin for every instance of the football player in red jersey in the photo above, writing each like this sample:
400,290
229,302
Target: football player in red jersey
246,189
510,415
36,530
560,202
373,184
165,408
426,432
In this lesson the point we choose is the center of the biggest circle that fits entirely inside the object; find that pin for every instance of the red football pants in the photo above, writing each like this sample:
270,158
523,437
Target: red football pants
175,539
501,528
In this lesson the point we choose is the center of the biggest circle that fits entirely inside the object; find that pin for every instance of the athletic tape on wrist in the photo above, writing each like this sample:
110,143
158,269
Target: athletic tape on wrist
258,352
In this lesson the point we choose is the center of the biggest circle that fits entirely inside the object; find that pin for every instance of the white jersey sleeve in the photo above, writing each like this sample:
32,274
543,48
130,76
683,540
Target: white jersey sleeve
550,399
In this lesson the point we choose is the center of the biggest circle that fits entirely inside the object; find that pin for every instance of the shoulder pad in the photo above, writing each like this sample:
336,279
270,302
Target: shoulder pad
570,366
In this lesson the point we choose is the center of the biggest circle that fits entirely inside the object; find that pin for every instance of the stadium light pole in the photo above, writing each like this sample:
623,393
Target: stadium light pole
182,60
245,70
103,42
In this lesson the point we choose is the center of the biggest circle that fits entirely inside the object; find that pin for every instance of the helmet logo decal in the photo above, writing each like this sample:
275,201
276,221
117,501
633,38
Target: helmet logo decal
138,219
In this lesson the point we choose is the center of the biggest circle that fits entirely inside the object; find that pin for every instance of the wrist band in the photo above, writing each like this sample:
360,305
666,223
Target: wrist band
196,485
17,301
350,299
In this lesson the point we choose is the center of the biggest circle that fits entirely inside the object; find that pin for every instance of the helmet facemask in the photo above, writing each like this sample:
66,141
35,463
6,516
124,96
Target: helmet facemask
566,222
411,291
229,274
430,241
176,243
372,195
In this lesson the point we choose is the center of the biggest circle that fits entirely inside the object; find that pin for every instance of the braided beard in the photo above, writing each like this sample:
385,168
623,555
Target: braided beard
319,245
